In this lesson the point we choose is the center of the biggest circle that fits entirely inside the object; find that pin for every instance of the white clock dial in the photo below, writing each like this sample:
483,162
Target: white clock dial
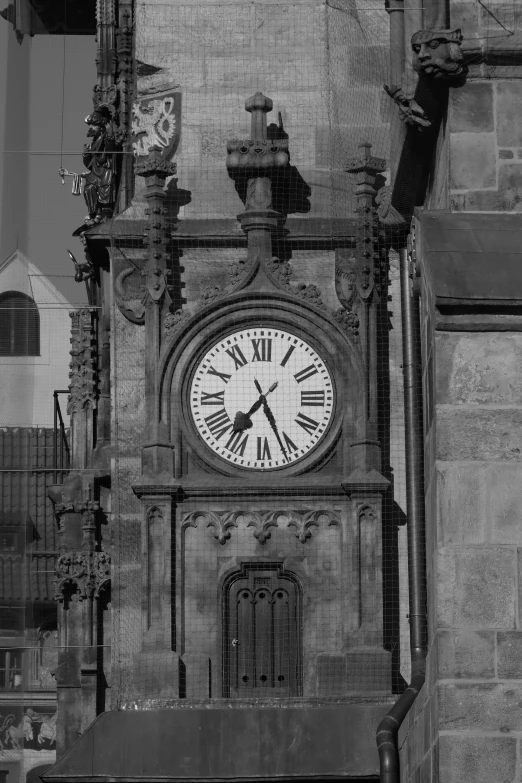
262,398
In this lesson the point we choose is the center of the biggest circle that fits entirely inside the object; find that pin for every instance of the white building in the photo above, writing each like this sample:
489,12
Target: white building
34,344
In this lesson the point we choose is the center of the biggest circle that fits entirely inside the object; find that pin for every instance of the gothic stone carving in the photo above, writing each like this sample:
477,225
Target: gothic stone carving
282,273
87,571
301,520
220,522
155,169
438,55
82,271
83,367
348,321
239,273
129,294
409,110
252,163
99,189
156,121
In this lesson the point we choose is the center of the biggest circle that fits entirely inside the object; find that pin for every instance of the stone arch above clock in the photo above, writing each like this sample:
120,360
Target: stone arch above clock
277,311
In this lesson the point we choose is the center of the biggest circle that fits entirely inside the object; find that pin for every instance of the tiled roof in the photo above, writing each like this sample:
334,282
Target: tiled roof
26,462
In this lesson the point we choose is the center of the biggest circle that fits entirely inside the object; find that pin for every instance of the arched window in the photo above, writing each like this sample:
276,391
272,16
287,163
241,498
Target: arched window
19,325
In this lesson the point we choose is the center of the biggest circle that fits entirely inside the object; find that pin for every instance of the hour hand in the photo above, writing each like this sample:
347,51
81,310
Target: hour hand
242,422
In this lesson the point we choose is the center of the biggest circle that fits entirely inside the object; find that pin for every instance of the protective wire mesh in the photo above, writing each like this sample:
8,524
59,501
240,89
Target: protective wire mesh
264,581
259,578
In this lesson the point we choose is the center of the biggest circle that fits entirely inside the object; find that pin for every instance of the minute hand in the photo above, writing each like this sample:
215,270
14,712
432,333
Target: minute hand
270,416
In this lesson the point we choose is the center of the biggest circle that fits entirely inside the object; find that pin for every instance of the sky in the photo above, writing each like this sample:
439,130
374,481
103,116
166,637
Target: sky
45,95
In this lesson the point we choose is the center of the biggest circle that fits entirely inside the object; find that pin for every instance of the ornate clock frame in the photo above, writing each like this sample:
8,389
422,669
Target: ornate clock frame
310,324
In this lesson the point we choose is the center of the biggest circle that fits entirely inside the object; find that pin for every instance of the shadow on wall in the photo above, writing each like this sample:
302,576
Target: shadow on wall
33,776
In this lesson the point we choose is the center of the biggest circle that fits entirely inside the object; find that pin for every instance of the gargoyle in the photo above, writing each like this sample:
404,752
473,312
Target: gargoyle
438,55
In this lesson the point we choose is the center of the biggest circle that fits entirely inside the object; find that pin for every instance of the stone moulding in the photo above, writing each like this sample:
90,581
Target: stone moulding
301,520
87,571
220,522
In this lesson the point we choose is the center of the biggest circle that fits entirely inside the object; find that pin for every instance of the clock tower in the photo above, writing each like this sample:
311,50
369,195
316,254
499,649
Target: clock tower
245,472
261,485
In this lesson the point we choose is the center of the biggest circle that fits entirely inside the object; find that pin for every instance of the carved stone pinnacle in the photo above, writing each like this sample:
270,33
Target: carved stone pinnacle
154,165
365,162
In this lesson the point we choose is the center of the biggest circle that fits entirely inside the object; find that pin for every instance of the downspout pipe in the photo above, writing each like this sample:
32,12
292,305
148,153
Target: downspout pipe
388,729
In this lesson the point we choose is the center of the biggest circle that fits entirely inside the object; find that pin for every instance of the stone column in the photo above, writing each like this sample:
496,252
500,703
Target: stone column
157,451
368,664
157,664
82,571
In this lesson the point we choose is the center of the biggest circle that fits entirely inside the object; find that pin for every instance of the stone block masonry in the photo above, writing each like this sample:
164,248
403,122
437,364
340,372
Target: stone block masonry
466,725
485,142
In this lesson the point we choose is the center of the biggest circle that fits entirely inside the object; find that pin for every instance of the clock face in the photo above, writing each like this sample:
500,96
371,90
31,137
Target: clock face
262,398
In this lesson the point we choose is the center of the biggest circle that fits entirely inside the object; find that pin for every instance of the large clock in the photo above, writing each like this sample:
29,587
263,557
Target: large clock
262,398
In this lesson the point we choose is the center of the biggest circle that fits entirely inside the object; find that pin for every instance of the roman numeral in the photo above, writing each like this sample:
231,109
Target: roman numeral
224,377
309,425
262,350
263,451
207,398
312,398
290,445
288,355
236,445
218,423
236,354
302,375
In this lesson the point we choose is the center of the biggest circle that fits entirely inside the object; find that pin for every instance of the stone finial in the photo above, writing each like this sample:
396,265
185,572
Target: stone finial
366,166
259,106
154,165
365,161
259,153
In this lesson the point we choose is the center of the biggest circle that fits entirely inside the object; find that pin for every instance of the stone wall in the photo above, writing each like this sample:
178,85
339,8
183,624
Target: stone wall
466,725
323,66
478,540
486,146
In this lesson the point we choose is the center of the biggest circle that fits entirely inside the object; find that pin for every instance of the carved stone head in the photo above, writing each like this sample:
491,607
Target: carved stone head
99,118
438,55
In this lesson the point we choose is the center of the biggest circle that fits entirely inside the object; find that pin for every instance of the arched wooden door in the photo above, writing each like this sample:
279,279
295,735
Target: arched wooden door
262,634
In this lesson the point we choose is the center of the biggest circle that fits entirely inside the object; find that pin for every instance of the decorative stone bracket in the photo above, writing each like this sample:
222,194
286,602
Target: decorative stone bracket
301,520
87,571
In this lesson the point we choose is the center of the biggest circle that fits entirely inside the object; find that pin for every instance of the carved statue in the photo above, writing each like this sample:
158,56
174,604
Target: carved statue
83,271
99,190
409,110
438,55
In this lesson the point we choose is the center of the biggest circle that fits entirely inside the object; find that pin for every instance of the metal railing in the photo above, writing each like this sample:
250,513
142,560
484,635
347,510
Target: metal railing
61,452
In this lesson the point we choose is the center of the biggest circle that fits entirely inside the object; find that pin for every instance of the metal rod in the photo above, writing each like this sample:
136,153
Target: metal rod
55,437
57,415
388,729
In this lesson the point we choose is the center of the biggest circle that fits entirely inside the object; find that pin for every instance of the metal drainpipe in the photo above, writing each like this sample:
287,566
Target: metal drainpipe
388,729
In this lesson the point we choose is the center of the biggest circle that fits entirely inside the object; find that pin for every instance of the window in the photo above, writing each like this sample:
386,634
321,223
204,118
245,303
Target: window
11,670
3,775
8,541
19,325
